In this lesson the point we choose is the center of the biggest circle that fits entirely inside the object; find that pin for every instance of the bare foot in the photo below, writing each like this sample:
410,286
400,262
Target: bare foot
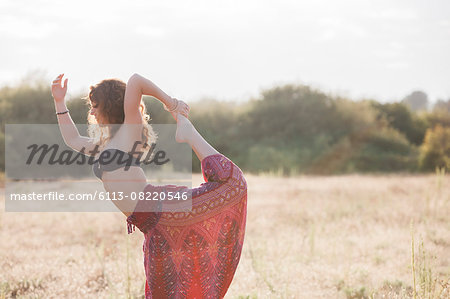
184,129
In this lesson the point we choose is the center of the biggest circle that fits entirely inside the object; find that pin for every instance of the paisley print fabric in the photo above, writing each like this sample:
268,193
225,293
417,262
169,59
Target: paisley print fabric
195,254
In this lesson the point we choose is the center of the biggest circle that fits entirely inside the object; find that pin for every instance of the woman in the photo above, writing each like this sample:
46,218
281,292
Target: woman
186,254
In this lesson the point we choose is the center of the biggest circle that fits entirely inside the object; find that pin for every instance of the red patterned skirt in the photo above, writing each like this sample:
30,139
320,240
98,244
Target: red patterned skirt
195,254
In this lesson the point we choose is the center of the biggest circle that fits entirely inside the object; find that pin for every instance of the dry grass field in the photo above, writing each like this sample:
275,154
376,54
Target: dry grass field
306,237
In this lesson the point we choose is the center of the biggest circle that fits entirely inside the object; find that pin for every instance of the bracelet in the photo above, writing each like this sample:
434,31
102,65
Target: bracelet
64,112
174,108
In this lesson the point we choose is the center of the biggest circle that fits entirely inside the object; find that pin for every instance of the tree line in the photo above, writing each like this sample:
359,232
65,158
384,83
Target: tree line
288,130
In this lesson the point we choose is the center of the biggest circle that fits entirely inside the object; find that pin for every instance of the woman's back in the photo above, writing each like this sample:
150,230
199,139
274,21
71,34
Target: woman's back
125,181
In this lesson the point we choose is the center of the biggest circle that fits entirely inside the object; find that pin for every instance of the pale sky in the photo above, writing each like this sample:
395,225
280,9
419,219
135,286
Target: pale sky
231,50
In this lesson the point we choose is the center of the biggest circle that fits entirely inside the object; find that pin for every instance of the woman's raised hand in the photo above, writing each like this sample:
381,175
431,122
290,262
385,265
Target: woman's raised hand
183,109
58,91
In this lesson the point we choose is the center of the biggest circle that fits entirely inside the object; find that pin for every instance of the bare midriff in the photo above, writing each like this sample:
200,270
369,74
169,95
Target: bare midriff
122,183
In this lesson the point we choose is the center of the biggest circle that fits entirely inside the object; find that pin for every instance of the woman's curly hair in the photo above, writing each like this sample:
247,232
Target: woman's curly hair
108,98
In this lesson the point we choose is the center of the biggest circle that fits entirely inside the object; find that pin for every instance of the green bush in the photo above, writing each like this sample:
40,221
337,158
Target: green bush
385,150
400,117
435,151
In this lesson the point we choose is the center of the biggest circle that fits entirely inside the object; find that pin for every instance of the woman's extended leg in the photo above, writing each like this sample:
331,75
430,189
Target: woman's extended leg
186,132
195,254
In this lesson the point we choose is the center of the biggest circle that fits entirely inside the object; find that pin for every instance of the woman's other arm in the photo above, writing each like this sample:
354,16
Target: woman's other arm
138,86
67,127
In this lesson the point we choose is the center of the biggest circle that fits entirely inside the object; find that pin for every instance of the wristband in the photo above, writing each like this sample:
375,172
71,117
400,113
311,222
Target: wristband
64,112
174,108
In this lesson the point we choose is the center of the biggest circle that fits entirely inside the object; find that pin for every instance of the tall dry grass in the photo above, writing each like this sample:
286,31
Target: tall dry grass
307,237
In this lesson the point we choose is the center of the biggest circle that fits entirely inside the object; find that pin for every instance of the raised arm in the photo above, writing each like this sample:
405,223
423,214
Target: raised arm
67,127
138,86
